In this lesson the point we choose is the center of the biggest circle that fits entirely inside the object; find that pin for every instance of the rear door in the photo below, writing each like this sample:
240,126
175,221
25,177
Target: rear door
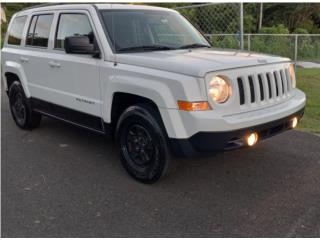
34,54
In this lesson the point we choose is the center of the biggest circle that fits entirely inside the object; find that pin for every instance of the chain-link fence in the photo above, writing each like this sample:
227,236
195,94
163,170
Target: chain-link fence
299,47
222,23
216,18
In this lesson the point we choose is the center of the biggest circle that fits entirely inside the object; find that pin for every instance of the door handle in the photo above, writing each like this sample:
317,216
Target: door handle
24,59
54,64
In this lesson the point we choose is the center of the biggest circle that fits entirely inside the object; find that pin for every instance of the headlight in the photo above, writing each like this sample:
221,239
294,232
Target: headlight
292,75
219,89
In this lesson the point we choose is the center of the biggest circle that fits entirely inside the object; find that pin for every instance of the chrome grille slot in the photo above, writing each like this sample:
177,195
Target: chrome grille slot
251,89
282,81
241,90
264,87
288,79
279,81
261,87
276,83
269,85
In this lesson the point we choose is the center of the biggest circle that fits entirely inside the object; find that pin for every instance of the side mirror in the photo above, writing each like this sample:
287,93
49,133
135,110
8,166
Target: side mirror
78,45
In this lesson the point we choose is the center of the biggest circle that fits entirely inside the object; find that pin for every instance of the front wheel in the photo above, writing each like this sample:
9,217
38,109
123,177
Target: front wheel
143,149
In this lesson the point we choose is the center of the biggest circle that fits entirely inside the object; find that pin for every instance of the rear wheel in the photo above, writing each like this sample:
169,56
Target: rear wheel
142,142
21,109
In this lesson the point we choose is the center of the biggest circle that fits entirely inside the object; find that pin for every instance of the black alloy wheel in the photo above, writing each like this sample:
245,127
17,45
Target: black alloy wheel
21,109
18,109
142,143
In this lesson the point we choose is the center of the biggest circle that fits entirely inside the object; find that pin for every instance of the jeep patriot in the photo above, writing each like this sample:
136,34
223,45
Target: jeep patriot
146,77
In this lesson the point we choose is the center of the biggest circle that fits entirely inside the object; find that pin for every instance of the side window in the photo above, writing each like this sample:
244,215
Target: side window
72,24
31,30
16,30
39,30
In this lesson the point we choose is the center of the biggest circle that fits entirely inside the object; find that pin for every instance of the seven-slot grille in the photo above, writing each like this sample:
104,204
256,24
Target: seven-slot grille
262,87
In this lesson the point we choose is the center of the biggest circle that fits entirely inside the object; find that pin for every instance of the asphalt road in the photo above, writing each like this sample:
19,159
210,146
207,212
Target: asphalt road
61,181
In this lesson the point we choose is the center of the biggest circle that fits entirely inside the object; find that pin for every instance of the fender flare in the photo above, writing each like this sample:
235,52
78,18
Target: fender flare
17,69
156,92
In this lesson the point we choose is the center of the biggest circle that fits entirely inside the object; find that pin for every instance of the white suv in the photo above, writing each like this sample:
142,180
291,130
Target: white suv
147,77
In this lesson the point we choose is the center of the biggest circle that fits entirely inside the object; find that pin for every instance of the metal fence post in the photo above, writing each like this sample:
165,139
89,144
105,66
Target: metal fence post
249,42
241,26
295,48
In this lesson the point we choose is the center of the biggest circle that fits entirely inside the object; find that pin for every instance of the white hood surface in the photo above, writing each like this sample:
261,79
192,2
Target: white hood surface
197,62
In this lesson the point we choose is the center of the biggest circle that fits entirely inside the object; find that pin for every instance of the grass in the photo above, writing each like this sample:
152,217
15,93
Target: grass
308,80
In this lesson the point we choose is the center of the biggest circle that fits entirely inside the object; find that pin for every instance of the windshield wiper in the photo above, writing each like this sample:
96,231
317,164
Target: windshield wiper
194,45
146,47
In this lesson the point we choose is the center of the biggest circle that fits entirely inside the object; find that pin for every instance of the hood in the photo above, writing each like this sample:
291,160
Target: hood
197,62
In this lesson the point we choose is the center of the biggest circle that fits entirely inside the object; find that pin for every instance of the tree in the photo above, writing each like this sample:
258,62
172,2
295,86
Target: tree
291,15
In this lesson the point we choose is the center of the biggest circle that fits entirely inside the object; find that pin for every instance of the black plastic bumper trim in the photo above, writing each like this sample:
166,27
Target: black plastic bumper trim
208,143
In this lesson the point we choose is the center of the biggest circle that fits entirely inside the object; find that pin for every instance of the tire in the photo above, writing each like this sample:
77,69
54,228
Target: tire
142,143
20,108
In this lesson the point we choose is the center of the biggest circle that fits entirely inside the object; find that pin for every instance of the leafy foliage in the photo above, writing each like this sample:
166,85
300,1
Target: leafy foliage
279,29
293,15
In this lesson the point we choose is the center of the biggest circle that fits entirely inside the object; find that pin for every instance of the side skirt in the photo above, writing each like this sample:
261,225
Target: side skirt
77,118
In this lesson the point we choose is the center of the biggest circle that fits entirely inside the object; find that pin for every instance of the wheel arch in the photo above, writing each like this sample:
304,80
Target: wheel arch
14,72
122,100
155,91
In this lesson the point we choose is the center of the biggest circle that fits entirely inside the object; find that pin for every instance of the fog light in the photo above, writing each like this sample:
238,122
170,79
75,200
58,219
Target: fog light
294,122
252,139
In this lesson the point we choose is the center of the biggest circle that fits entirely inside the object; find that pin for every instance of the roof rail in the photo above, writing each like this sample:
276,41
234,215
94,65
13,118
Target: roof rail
51,4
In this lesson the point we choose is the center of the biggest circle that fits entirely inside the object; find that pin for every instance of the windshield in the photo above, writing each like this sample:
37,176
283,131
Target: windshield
150,30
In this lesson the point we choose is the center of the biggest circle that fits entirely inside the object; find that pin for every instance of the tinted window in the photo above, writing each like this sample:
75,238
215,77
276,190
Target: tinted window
16,29
72,25
39,30
31,29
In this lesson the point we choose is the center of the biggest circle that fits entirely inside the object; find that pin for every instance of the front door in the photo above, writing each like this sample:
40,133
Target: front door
73,79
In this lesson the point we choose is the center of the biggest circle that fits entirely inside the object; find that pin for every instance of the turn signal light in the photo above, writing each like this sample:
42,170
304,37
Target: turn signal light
193,106
251,139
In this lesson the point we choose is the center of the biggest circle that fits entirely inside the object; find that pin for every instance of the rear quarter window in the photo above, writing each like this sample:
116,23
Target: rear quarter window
16,30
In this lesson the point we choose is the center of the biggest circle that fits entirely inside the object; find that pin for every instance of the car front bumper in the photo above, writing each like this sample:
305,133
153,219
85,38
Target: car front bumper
205,143
185,124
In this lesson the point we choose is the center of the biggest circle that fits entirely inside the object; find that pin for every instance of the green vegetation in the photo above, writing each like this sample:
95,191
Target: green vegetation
308,46
290,15
308,80
279,29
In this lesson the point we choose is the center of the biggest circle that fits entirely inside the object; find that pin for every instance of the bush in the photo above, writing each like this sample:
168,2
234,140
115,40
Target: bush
279,29
300,31
277,45
308,48
309,26
230,42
